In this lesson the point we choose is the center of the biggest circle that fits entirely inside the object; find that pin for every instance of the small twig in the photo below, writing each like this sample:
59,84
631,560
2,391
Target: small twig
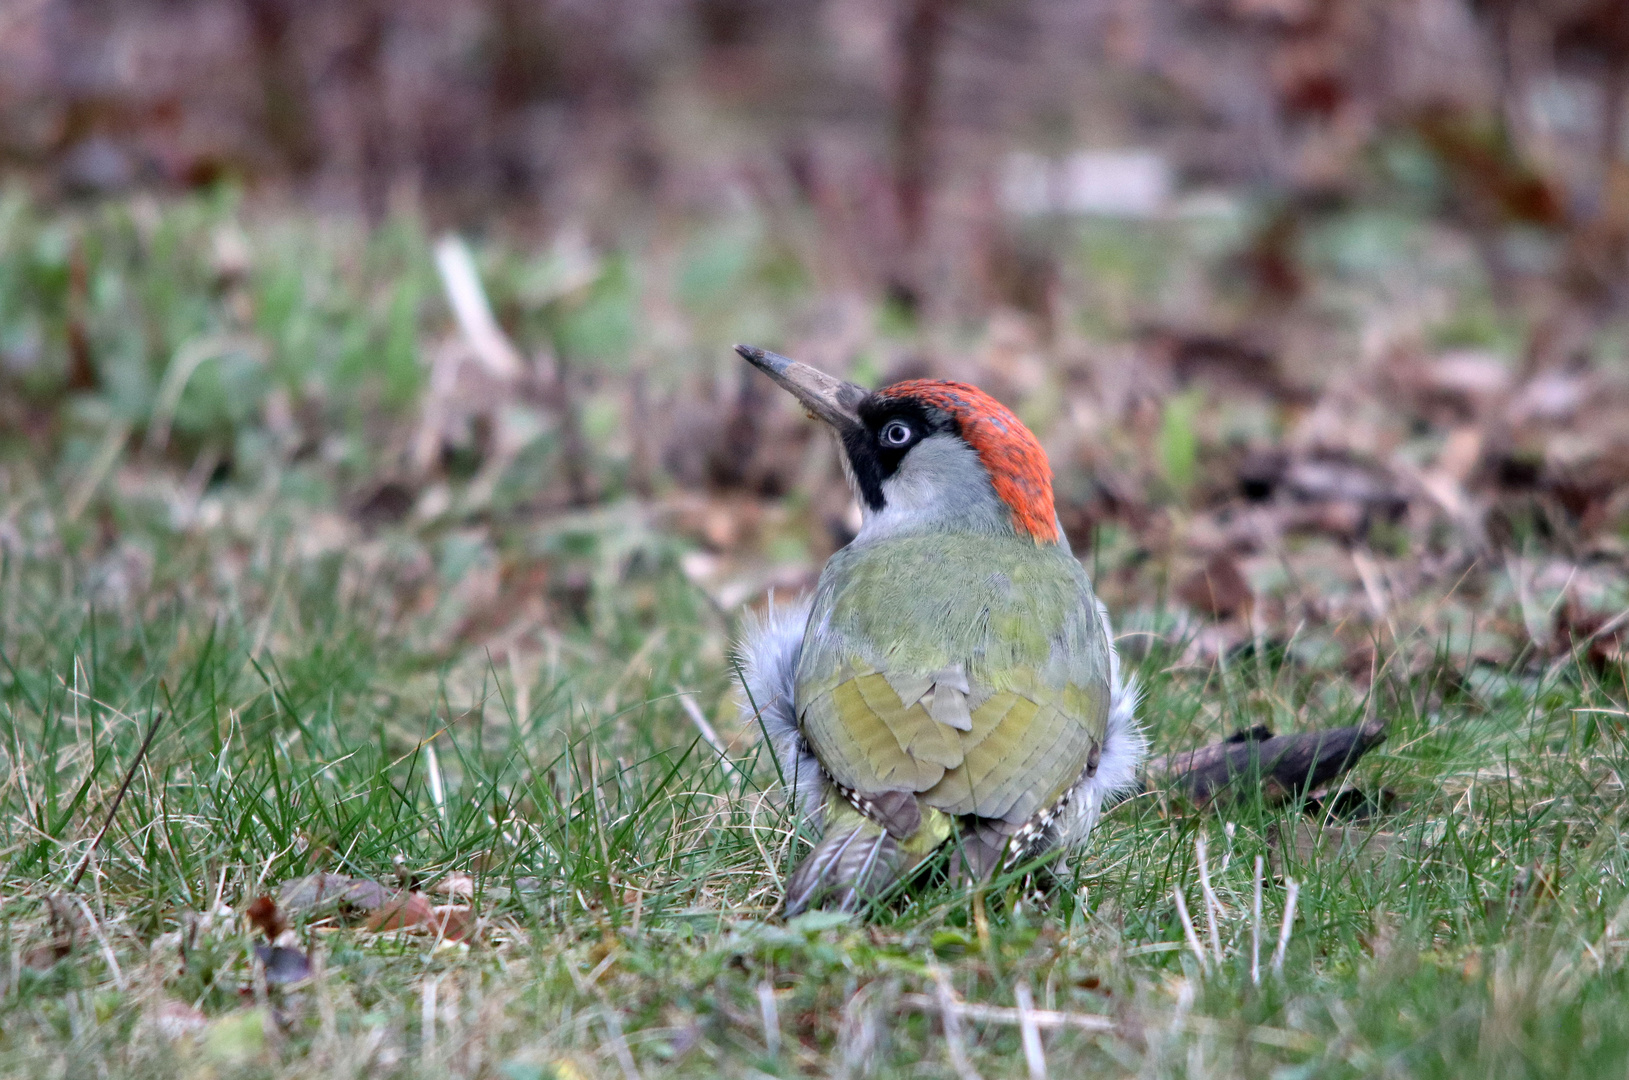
950,1017
769,1015
1255,929
101,462
1187,928
1029,1033
130,775
1293,891
1213,906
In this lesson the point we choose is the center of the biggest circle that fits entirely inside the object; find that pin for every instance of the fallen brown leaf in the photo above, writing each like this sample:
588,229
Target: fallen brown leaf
1218,588
456,886
264,916
282,964
412,912
453,922
322,890
404,911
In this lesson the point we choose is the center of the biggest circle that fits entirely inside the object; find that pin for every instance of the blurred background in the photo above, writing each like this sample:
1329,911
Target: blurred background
1318,305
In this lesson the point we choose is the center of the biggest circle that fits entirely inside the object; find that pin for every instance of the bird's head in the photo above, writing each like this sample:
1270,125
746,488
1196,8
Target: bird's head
927,454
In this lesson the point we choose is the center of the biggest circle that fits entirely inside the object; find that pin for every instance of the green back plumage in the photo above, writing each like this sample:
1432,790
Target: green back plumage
974,672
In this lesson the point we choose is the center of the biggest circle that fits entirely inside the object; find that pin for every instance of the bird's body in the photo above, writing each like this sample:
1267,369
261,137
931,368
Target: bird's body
952,678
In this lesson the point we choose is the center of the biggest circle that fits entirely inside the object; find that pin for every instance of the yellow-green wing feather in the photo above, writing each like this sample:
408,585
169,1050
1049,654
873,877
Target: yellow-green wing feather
1018,619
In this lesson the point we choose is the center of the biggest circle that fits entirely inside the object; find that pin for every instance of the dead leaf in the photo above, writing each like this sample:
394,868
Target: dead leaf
323,890
65,925
453,922
456,886
412,912
1282,767
282,964
1218,588
404,911
45,957
264,916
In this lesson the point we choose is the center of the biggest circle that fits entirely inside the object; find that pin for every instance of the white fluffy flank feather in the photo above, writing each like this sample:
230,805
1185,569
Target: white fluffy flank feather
771,643
1124,747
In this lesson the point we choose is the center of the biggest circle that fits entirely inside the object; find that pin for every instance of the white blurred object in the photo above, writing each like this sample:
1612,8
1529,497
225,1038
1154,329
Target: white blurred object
1109,183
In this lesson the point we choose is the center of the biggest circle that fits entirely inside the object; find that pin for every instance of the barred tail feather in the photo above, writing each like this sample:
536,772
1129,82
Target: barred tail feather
846,867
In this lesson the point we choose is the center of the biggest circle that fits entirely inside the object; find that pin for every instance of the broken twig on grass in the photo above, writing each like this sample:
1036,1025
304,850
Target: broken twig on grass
118,797
1213,905
1284,767
1105,1025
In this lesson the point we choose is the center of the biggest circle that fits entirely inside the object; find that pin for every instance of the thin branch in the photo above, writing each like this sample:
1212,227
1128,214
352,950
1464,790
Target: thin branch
467,298
710,736
1001,1014
1050,1018
130,775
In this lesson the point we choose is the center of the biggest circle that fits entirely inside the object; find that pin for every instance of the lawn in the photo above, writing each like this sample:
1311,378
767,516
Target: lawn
464,644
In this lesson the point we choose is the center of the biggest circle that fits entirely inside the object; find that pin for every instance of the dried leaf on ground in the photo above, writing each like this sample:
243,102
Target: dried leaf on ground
263,915
412,912
321,891
1218,588
283,965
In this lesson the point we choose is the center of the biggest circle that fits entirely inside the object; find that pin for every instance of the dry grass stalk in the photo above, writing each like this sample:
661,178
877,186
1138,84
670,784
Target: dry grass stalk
1034,1056
1293,891
950,1017
1213,906
1188,930
1255,927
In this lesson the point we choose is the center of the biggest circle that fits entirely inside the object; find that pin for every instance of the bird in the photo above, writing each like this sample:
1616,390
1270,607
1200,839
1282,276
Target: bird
952,679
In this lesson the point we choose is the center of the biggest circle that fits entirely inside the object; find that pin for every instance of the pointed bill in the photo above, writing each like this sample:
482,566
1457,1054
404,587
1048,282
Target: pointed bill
827,398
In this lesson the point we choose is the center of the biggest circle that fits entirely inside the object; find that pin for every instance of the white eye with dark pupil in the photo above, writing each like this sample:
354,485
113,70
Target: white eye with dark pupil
896,433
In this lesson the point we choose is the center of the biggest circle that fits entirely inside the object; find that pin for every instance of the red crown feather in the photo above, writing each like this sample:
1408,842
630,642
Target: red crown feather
1017,465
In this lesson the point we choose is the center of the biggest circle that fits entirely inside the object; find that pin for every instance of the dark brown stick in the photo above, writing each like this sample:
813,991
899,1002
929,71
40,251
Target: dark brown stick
1285,766
130,774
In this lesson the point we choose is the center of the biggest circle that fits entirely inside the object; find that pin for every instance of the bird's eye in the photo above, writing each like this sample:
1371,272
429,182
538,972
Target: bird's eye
895,433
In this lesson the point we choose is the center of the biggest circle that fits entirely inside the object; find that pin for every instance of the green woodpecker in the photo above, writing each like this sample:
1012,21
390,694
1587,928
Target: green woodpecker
953,678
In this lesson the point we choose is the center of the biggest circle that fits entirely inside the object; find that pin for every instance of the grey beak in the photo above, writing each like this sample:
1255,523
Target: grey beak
829,399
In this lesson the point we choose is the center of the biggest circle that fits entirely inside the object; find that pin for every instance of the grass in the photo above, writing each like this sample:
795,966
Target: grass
328,706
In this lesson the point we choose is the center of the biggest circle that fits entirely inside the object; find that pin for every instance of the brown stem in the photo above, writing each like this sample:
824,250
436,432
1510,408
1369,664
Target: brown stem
129,775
